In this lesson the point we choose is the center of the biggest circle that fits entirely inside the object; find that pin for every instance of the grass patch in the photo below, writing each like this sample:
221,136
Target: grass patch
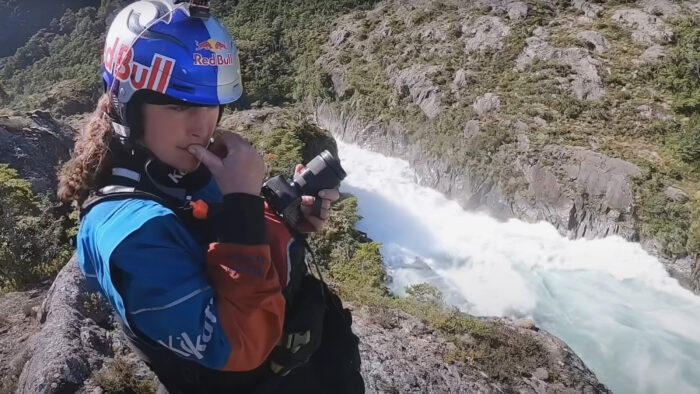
120,376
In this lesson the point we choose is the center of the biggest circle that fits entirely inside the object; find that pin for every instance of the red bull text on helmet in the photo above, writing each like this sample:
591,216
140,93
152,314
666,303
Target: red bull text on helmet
215,59
154,77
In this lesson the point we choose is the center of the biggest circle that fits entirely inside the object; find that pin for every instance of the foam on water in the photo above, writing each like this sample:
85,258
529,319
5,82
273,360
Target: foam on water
610,301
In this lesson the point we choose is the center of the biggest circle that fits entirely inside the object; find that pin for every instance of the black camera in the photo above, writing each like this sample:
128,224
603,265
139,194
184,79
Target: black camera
284,198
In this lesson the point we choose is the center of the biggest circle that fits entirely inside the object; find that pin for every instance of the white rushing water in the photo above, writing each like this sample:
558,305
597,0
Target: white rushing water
610,301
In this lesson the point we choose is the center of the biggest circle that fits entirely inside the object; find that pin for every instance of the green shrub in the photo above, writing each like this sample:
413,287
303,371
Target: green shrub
666,221
680,72
289,140
425,293
33,243
364,271
279,43
688,142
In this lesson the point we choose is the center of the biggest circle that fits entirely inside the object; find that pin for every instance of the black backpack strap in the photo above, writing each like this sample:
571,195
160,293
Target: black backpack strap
117,192
182,210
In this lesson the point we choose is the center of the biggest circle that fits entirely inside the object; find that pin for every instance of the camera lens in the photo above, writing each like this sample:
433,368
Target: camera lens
333,164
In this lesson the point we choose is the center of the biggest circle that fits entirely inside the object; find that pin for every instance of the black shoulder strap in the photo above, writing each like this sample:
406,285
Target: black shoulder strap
111,193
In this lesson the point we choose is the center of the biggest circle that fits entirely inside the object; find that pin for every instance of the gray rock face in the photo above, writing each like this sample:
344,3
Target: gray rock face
433,33
339,36
17,324
69,346
517,10
35,145
485,32
649,113
340,86
586,83
676,195
653,54
471,129
400,354
599,42
686,269
486,103
415,82
648,29
460,79
605,181
663,8
589,9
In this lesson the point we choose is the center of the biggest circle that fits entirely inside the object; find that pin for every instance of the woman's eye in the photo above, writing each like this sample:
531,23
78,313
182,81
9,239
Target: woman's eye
179,108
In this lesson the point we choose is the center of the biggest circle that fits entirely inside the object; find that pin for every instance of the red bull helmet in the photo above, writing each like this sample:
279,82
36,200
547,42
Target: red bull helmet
172,48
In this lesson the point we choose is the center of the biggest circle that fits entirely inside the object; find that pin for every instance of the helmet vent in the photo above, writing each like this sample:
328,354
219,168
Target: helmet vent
183,88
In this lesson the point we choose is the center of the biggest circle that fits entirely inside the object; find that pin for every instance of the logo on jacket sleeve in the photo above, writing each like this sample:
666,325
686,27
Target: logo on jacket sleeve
187,346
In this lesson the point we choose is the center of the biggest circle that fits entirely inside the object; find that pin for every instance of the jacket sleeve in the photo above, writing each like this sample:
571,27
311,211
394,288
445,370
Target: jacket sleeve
221,308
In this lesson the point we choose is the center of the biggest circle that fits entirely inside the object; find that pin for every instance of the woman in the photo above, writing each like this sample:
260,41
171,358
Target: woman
209,285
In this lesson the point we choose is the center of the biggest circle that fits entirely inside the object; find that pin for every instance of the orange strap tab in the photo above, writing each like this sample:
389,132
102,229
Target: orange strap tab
200,209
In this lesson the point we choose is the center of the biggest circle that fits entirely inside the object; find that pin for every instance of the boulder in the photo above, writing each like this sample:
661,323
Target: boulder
415,82
653,54
587,83
471,129
484,32
662,8
459,80
647,29
517,10
597,40
676,195
590,10
339,36
486,103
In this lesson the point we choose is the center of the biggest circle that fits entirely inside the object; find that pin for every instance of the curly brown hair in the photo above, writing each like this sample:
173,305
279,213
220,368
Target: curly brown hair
91,158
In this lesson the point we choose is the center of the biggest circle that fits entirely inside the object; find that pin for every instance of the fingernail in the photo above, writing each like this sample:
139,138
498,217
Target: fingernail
191,149
322,193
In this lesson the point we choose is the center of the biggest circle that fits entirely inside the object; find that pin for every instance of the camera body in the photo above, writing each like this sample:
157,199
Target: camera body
284,198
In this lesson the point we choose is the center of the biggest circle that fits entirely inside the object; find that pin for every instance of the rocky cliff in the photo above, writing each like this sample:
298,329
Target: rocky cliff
550,111
64,340
35,144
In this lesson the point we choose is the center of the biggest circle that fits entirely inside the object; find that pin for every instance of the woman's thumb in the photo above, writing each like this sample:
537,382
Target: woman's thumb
207,158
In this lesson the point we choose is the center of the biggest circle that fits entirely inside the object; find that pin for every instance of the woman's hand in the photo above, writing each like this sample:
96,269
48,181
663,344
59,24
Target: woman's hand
312,222
235,164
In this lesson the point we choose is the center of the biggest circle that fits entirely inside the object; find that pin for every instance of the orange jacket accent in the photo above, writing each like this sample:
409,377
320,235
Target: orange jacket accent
279,238
249,301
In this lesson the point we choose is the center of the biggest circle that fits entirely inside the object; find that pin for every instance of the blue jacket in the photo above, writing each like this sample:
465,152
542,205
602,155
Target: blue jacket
218,304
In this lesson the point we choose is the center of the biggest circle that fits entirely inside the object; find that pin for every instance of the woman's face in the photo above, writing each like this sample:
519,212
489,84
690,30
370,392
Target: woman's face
170,129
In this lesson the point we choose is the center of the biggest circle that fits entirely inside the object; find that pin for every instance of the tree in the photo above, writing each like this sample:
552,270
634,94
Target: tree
4,96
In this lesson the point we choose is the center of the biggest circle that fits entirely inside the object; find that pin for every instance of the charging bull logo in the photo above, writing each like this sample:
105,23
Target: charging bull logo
211,45
119,59
215,59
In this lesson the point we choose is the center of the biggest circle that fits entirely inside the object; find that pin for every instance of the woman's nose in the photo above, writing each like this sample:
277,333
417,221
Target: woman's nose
200,122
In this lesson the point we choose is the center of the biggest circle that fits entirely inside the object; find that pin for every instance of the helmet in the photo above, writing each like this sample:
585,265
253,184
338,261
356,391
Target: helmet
162,47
